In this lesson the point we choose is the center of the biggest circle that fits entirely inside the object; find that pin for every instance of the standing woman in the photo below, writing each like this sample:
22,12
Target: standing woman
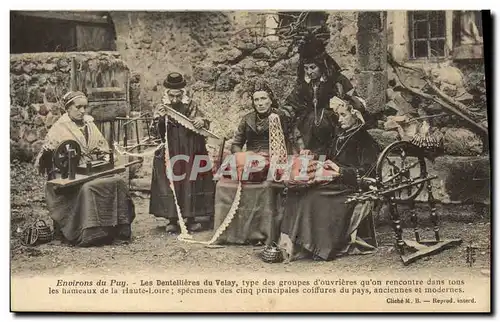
195,197
318,80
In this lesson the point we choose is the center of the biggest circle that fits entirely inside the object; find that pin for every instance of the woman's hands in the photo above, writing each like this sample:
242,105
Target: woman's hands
198,122
330,165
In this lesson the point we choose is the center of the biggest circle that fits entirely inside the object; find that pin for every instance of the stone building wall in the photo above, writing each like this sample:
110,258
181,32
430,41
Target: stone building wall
37,84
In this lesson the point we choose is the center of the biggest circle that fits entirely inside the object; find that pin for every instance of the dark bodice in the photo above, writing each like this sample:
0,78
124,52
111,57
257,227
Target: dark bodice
356,152
252,132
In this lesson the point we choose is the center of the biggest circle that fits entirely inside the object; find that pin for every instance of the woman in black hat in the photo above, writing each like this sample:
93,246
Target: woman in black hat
195,197
319,78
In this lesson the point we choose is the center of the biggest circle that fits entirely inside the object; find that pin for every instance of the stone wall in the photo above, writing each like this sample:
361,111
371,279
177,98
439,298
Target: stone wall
219,61
37,83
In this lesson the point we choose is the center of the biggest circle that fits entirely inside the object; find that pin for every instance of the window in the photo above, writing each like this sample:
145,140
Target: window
36,31
427,34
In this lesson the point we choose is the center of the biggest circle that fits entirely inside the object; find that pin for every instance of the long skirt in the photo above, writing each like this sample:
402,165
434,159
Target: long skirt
318,221
195,197
256,217
94,213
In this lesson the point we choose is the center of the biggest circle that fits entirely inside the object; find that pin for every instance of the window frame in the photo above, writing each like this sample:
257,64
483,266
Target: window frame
411,36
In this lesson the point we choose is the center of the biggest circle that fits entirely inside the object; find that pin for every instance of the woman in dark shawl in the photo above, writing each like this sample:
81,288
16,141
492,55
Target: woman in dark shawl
319,78
317,221
195,197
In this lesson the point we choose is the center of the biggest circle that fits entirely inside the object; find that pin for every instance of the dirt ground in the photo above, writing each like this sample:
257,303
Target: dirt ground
151,248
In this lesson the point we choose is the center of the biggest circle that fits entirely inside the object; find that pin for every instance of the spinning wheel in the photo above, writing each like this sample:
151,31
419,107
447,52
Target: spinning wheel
401,176
66,157
401,163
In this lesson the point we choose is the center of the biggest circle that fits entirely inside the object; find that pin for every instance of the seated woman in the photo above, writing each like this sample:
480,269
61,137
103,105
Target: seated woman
316,219
254,219
99,211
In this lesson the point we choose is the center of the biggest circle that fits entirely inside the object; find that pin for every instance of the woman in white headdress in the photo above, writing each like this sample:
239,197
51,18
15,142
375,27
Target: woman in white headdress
321,224
96,212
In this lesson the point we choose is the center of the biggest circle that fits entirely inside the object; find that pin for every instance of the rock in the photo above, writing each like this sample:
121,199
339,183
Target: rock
372,50
35,94
206,73
252,65
15,133
48,67
17,68
14,110
62,63
201,86
39,120
226,82
246,47
223,68
233,55
262,64
30,135
37,146
147,40
448,74
486,272
230,56
390,94
281,51
400,104
459,141
41,133
282,68
262,53
384,138
238,70
28,68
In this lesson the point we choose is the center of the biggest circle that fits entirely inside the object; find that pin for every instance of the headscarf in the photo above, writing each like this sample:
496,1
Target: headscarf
70,97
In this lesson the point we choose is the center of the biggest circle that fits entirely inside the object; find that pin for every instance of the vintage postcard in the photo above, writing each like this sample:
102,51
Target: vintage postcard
250,161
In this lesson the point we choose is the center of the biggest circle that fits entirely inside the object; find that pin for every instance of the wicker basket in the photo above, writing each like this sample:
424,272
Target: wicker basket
38,233
272,254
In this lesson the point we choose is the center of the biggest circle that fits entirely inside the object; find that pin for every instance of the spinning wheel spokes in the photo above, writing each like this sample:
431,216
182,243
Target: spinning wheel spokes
401,163
62,156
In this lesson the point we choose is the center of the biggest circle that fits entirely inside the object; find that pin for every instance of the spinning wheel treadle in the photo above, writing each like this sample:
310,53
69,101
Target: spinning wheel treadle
401,175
